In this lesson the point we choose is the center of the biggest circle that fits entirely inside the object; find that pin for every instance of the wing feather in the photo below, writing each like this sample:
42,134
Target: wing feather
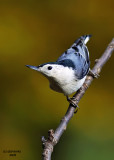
79,55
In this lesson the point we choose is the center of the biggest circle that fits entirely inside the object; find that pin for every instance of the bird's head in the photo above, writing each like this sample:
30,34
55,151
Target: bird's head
47,69
54,70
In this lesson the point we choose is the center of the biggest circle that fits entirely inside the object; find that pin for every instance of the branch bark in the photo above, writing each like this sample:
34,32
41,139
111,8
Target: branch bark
53,137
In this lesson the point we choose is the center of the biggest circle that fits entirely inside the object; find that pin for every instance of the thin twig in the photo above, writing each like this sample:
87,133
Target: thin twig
53,137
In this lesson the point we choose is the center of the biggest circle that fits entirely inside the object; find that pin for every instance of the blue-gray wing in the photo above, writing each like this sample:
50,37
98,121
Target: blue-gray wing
78,54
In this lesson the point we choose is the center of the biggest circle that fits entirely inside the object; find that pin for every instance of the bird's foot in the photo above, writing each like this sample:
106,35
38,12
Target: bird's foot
94,75
72,101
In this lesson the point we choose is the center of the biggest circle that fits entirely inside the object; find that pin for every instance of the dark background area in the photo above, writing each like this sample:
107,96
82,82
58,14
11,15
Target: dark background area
34,32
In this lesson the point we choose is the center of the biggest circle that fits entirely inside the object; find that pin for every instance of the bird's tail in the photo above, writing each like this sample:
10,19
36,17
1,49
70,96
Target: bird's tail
83,39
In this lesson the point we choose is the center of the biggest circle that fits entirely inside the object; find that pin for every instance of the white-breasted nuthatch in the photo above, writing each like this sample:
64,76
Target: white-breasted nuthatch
68,73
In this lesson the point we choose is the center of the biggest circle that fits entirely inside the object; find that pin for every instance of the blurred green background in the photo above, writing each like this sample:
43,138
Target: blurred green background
33,32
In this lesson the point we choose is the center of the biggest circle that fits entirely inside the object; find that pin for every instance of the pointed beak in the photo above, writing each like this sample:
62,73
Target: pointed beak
33,67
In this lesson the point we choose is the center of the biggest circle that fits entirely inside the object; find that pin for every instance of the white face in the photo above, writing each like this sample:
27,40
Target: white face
57,72
50,70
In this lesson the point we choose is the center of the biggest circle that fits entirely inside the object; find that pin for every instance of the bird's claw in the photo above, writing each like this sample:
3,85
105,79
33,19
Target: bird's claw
94,75
72,101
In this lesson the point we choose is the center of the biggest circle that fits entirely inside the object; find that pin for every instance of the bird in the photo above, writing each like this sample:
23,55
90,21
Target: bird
68,73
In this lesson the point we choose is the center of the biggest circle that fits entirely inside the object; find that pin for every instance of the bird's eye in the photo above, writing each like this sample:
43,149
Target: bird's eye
50,67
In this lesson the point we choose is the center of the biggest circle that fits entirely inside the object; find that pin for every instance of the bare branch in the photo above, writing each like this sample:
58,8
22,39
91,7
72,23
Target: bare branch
53,137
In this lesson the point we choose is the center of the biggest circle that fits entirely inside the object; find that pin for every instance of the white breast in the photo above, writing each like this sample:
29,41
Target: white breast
73,86
65,81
